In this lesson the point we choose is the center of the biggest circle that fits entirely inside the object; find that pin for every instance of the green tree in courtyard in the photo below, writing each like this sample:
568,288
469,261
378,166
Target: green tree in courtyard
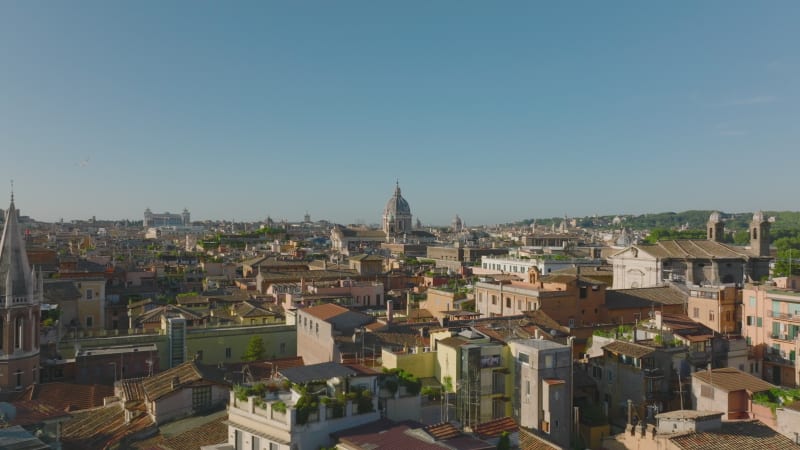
255,349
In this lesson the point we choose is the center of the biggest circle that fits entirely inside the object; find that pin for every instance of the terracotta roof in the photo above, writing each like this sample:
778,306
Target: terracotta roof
629,349
454,341
100,427
496,427
692,249
644,297
326,311
730,379
208,433
385,435
442,430
32,412
131,389
70,396
529,441
185,374
750,435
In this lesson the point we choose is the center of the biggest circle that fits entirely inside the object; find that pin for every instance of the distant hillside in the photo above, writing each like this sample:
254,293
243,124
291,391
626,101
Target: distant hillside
785,221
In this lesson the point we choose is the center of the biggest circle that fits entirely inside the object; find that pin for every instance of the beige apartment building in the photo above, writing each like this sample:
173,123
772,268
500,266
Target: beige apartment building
717,307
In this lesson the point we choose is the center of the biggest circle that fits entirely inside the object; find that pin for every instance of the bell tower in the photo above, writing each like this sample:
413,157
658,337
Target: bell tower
759,234
716,229
20,304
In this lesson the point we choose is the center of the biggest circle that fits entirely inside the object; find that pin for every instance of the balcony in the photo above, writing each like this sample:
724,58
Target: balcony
783,337
784,316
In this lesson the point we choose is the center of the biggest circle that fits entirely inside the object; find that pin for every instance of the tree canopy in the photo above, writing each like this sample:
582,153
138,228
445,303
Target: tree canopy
255,349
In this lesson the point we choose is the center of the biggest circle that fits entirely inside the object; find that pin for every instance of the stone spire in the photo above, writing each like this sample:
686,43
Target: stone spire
16,281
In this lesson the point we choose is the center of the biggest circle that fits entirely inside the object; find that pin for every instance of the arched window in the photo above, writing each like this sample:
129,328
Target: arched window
755,233
19,333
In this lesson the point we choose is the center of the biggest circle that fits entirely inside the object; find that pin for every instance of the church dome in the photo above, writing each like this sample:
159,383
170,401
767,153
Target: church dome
397,206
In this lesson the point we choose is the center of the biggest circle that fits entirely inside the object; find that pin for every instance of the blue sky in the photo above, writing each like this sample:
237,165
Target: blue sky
496,111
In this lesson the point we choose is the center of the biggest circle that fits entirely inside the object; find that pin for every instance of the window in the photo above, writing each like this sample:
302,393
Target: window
572,323
711,315
519,305
19,333
610,376
255,443
523,358
582,293
227,353
759,322
201,397
695,313
749,320
508,302
752,301
494,299
548,362
273,446
707,391
597,372
89,294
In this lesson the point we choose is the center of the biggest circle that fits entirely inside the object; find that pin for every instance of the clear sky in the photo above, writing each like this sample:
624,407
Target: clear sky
496,111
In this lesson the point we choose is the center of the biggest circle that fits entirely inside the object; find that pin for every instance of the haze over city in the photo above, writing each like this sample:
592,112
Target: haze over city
495,112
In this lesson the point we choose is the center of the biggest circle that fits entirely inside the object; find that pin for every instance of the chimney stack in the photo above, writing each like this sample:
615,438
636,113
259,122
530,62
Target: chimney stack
389,311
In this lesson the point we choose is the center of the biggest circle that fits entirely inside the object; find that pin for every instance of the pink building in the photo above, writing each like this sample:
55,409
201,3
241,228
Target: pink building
771,324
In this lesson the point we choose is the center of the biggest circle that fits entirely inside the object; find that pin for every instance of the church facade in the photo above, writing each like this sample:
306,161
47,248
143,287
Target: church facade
695,261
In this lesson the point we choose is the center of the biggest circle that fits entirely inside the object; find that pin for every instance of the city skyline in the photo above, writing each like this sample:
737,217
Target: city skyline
497,113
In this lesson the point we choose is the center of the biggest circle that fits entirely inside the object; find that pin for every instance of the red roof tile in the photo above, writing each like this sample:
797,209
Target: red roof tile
496,427
70,396
443,430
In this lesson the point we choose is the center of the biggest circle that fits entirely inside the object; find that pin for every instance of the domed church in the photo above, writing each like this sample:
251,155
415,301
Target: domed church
397,215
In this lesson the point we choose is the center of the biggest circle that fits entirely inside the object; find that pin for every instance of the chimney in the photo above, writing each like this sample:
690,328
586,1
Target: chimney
408,305
389,311
176,381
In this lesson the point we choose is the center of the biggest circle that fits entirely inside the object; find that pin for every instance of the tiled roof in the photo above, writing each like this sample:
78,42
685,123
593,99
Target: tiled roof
496,427
750,435
208,433
644,297
442,430
132,389
730,379
100,427
529,441
154,315
629,349
326,311
385,435
70,396
454,341
185,374
693,249
59,291
32,412
366,258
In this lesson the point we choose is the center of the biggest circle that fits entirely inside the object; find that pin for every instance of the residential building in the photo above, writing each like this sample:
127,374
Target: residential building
20,308
181,391
325,398
641,373
729,391
323,332
367,264
546,264
697,430
771,324
457,256
386,434
695,262
476,367
570,300
717,307
639,304
543,387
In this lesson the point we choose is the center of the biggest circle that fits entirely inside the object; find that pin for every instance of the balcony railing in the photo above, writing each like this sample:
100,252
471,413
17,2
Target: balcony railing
784,316
782,337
